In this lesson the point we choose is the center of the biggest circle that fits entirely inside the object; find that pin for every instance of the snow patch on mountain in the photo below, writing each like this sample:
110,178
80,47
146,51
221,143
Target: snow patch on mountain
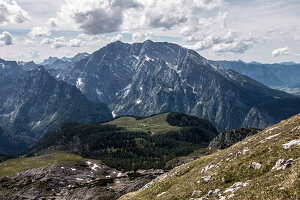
99,93
79,83
138,101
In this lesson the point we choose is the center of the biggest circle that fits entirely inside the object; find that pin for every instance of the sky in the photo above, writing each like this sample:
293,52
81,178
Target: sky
266,31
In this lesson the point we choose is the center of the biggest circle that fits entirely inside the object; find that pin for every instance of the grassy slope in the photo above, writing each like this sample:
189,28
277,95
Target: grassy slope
265,183
155,124
16,165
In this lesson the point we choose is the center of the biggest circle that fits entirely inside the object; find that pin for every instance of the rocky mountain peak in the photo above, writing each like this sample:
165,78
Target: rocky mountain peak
152,77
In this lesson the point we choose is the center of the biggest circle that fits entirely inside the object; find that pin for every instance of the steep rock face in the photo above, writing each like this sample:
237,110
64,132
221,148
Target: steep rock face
49,60
147,78
27,65
104,73
36,103
9,71
271,111
227,138
12,143
79,57
58,67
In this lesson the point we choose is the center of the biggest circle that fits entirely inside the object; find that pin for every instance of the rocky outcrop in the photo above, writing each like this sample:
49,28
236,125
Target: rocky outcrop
264,114
227,138
82,180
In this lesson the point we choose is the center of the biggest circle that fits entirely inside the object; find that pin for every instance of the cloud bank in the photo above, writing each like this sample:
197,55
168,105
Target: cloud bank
11,12
39,32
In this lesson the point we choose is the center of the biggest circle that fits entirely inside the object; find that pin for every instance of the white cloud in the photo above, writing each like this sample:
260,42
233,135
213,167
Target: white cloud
231,42
91,39
165,14
11,12
39,32
208,4
116,38
107,16
46,41
281,52
95,16
76,43
53,22
238,46
136,37
58,42
6,39
28,41
188,30
55,43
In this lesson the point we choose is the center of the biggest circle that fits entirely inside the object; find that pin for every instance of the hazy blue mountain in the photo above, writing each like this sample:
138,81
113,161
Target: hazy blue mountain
79,57
288,63
147,78
34,103
27,65
49,61
282,74
58,67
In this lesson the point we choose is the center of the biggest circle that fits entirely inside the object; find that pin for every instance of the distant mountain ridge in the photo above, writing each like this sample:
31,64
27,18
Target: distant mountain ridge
278,74
74,59
33,102
151,77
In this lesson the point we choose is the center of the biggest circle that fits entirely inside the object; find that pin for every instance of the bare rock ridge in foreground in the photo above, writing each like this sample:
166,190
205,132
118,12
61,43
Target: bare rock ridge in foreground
263,166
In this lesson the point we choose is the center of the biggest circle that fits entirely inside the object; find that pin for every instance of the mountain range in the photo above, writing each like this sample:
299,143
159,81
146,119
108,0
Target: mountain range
279,74
139,79
33,102
146,78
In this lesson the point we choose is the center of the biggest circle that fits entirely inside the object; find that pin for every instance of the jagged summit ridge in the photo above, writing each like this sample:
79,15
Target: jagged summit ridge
152,77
